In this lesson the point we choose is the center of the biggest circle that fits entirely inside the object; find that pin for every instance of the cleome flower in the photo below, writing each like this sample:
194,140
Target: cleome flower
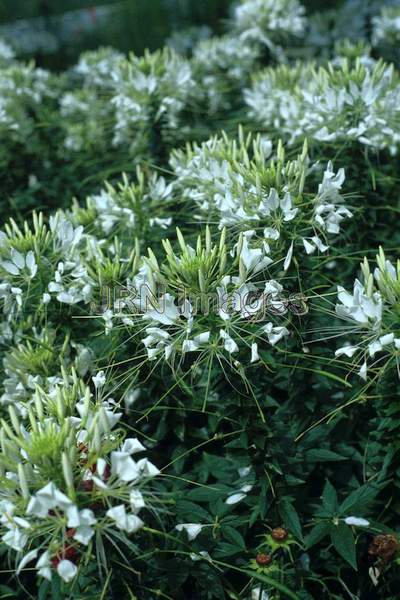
150,89
386,27
373,308
239,185
68,480
337,103
268,22
206,301
221,66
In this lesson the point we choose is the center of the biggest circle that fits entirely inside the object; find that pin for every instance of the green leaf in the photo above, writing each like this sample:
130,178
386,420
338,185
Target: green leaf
206,494
225,549
317,533
343,540
189,512
329,498
322,455
361,498
232,535
290,517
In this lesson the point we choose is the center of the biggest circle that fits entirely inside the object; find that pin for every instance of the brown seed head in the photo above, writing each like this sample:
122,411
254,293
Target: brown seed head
263,559
383,547
279,534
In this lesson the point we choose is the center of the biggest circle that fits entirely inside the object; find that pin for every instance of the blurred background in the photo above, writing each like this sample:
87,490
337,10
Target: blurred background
55,32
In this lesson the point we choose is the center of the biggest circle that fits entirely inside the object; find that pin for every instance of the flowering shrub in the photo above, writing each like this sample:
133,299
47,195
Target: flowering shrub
341,103
373,310
198,399
70,484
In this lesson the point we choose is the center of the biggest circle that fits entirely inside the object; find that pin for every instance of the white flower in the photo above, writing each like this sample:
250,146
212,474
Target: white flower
124,466
136,501
257,594
235,498
356,521
47,498
359,307
125,522
229,344
81,521
254,352
347,350
132,446
288,258
99,379
192,529
66,570
15,539
253,259
19,261
43,565
194,344
363,371
147,469
274,334
165,313
29,556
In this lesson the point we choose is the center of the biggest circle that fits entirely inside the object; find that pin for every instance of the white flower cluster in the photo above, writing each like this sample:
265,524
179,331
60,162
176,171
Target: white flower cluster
131,208
386,27
23,88
268,21
215,314
119,100
371,308
337,103
68,478
221,66
242,185
148,89
6,52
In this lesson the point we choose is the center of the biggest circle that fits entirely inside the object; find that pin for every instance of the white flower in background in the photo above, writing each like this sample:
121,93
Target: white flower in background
240,494
341,102
356,521
6,52
235,498
221,66
123,520
258,594
268,21
386,27
192,529
346,350
254,353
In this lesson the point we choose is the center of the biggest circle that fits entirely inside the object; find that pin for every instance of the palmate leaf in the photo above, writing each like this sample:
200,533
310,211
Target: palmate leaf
343,541
361,498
